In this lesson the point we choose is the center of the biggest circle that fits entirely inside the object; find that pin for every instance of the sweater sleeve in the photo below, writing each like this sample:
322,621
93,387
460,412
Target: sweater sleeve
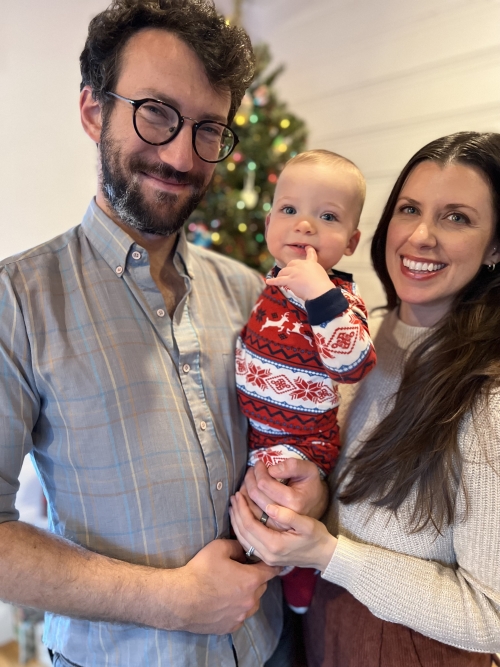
459,603
338,320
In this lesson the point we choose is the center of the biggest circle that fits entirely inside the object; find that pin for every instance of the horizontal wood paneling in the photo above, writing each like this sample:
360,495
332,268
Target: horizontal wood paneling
375,81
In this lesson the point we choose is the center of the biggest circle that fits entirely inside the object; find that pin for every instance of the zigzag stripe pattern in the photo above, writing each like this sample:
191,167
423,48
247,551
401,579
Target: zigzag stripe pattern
287,371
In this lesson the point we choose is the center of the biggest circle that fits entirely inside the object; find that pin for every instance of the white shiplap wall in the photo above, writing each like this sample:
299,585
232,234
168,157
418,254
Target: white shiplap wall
376,80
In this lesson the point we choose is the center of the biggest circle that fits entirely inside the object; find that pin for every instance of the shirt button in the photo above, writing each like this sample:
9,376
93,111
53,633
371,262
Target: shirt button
136,255
203,426
186,368
160,312
119,270
219,486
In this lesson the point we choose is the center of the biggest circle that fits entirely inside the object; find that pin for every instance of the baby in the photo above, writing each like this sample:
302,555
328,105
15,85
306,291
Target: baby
307,332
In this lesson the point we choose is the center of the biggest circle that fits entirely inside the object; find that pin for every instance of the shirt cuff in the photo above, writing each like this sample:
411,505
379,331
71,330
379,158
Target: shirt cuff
326,307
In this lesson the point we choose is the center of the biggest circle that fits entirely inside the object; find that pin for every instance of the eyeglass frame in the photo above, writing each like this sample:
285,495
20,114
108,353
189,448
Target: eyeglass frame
196,124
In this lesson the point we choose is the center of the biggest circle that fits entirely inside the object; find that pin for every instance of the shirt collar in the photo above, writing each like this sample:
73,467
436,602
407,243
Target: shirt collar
115,245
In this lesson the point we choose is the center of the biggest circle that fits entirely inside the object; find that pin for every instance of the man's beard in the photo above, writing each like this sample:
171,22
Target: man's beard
166,214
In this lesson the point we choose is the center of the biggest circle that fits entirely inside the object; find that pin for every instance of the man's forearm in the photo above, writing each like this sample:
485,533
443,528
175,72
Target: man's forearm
212,594
38,569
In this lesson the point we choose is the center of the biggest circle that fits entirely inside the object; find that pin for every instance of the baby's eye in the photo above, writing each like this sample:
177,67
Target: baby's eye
329,217
289,210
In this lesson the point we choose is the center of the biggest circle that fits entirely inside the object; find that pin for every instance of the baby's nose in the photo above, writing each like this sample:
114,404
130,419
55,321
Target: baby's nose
305,225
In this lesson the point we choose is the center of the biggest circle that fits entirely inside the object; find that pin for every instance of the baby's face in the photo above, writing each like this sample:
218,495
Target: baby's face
316,205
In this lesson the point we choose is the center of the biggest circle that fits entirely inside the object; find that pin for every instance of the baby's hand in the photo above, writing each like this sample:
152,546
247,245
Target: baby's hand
305,277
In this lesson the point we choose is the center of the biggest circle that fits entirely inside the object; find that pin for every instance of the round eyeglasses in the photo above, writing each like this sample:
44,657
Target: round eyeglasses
157,123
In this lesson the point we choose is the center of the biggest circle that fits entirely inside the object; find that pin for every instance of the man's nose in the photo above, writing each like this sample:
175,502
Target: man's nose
178,153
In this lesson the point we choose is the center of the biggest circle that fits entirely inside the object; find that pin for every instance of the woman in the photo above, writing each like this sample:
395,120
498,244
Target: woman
417,513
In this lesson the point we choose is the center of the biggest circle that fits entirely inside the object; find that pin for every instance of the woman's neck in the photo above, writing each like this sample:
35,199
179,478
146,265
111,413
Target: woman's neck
416,315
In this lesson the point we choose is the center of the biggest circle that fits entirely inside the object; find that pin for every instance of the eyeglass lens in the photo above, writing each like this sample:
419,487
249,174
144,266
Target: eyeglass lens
156,122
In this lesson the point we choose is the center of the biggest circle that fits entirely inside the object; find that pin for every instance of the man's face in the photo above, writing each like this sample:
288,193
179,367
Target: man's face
154,189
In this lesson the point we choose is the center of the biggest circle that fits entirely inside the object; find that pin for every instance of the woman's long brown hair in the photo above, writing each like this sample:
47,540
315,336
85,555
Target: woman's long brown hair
416,445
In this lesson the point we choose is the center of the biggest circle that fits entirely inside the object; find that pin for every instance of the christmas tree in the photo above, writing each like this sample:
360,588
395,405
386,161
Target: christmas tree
231,217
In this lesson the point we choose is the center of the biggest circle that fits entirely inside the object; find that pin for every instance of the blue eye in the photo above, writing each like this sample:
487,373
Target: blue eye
411,210
458,217
289,210
329,217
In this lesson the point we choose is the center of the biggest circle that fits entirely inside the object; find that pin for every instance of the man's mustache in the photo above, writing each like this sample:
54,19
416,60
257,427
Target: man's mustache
166,171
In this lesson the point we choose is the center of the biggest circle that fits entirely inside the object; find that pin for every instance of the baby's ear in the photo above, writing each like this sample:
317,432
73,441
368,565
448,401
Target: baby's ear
353,243
268,220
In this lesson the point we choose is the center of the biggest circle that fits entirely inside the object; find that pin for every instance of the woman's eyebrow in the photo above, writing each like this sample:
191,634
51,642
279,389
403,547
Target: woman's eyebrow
457,205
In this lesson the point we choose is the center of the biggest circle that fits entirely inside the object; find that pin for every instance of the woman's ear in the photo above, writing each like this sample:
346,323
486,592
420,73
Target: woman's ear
90,115
493,256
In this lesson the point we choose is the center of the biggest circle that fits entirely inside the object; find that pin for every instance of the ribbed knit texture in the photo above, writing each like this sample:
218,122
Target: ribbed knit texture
445,586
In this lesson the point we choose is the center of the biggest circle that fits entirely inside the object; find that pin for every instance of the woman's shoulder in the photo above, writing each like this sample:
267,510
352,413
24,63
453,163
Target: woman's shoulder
479,434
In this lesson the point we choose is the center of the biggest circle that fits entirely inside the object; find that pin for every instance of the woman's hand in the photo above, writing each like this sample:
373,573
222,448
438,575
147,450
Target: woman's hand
304,542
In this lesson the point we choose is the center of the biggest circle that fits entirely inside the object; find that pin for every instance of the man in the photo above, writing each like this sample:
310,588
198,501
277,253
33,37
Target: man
116,357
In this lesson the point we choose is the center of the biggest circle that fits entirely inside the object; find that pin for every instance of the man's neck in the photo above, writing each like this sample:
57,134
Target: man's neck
161,251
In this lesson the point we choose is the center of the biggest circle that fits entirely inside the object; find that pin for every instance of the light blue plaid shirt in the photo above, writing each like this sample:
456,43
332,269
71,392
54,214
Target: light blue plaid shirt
131,419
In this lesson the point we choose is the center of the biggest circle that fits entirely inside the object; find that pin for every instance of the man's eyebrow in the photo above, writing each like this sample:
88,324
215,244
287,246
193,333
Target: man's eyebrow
161,97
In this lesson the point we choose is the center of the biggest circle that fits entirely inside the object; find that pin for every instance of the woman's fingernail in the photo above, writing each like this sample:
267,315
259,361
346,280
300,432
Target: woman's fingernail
271,510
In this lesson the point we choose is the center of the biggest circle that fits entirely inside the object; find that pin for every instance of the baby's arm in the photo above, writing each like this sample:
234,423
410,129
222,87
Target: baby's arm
337,317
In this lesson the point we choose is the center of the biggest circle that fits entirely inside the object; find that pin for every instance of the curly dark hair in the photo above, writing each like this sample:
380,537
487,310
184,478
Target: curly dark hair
225,51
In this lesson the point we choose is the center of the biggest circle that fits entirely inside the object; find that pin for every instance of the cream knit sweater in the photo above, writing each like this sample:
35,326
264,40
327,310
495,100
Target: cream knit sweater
445,586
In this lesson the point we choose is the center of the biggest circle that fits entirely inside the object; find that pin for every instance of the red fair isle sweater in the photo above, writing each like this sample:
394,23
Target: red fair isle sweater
290,358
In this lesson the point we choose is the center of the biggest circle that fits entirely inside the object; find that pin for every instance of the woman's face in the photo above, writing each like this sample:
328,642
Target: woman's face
441,232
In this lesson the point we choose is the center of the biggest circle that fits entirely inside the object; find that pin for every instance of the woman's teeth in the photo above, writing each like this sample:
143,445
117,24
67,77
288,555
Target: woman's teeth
422,266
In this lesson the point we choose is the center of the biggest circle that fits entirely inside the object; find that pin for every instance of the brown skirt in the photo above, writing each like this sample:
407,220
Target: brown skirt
339,631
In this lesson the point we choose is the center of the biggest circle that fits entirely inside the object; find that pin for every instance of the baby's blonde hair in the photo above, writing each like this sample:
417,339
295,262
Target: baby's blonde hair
322,156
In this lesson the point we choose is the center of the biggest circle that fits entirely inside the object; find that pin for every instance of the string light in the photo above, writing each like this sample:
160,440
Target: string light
254,118
215,236
252,166
240,119
231,166
242,227
285,123
240,205
266,206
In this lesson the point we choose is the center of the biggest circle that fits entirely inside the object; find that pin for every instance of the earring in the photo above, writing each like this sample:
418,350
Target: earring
491,267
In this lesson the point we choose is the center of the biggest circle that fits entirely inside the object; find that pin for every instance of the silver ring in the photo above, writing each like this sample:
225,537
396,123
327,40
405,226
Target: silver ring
263,519
250,552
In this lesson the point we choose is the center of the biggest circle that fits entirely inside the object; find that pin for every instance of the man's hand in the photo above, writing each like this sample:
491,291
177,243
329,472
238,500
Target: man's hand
305,493
305,277
213,593
219,590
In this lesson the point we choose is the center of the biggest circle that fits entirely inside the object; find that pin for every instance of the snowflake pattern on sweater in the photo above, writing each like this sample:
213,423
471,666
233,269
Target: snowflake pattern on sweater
290,358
